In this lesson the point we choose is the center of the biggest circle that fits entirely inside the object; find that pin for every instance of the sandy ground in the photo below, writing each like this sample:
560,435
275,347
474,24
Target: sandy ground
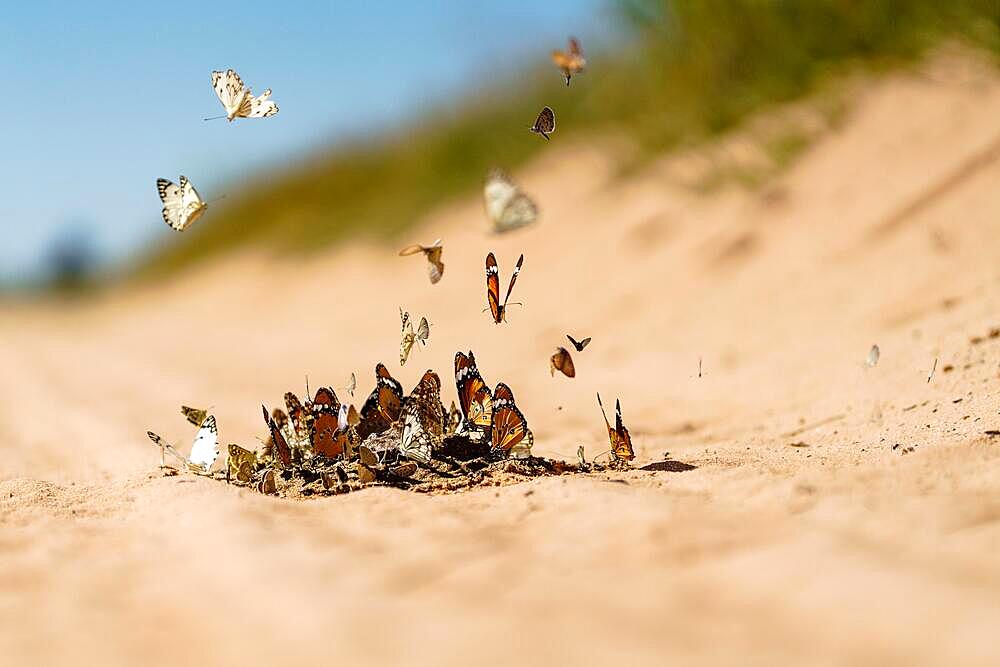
801,534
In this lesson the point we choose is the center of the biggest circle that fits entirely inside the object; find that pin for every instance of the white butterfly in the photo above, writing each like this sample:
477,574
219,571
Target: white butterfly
507,207
416,443
204,449
182,204
408,338
238,101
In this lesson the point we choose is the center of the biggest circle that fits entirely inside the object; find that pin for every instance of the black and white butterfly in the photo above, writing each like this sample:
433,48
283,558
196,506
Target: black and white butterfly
422,419
204,449
545,123
182,204
237,100
506,205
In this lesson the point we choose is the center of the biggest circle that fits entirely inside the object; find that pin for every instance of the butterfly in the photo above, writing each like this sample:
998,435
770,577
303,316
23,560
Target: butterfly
570,63
873,355
561,361
194,415
281,452
267,484
506,206
300,422
510,429
499,310
474,397
409,338
435,267
545,123
241,465
454,419
422,419
328,439
579,345
621,441
352,385
238,101
204,449
383,406
182,204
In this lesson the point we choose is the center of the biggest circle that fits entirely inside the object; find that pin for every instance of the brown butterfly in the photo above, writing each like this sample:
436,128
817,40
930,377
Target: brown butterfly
454,419
435,267
423,420
621,441
242,464
499,310
579,345
561,361
510,428
545,123
383,406
301,421
327,437
194,415
267,484
281,452
474,396
572,62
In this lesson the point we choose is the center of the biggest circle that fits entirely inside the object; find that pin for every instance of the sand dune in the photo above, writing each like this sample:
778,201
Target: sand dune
827,512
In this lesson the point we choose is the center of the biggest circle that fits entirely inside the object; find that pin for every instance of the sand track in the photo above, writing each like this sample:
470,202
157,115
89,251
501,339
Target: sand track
839,549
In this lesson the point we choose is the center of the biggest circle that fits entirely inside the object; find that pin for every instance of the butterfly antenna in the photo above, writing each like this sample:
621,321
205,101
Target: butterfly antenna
215,117
545,135
307,387
212,201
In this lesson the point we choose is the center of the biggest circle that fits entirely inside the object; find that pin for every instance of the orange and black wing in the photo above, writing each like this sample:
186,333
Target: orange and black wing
623,441
562,361
300,417
327,439
509,425
383,405
513,279
493,287
474,395
282,452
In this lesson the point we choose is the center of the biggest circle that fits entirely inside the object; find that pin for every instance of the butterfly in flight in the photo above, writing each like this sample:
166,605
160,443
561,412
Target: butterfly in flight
408,337
435,267
579,345
545,123
570,62
562,362
506,206
510,434
499,310
204,449
241,465
383,406
873,355
352,384
281,452
621,441
182,204
237,100
194,415
474,396
423,420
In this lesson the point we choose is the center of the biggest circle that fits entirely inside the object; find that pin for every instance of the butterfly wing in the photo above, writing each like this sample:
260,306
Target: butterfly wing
513,279
612,434
205,448
173,203
282,452
579,345
563,362
423,331
545,123
574,47
241,464
493,287
510,428
259,107
194,415
193,205
230,91
423,419
383,406
411,250
474,396
406,342
435,267
327,437
622,445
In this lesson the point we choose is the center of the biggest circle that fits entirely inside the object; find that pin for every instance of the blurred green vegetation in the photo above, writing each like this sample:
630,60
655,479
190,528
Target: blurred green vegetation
689,70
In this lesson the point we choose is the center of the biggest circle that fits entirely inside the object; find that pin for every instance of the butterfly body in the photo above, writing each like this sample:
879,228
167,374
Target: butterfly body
423,420
571,61
237,100
507,206
435,267
498,309
621,442
182,205
545,123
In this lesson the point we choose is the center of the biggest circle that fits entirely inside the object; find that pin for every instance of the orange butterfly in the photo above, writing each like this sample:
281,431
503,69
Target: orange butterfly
561,361
621,441
281,451
570,63
383,406
510,428
474,395
499,310
327,437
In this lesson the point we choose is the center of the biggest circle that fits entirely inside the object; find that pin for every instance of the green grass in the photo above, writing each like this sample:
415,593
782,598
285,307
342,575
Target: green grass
691,70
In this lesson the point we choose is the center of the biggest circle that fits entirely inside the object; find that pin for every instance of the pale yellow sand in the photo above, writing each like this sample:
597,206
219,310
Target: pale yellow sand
842,550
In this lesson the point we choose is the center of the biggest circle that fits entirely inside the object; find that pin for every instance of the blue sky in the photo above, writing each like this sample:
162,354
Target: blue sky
102,98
